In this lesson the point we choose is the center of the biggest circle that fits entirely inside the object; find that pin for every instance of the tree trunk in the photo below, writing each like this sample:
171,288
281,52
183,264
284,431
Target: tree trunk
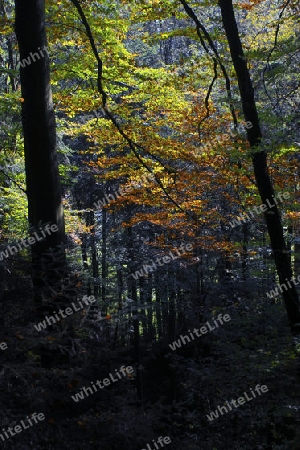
103,258
95,264
245,271
264,184
132,290
38,120
158,306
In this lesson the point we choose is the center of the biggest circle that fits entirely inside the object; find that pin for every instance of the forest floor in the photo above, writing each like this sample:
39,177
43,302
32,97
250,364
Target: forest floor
178,389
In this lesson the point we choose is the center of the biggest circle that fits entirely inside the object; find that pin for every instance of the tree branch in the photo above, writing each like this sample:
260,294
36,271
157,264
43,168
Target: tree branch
13,181
216,57
133,146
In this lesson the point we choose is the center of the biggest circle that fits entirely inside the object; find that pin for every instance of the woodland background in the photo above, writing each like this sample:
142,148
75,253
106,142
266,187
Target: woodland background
137,90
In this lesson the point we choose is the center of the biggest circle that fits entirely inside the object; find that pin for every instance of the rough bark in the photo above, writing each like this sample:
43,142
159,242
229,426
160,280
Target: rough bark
260,165
38,120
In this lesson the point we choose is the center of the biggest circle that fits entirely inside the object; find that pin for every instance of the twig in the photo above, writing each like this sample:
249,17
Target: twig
13,181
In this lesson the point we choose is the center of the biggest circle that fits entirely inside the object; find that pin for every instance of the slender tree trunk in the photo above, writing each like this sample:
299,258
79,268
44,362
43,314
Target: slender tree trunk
296,232
264,184
245,271
103,257
158,306
95,265
132,288
84,251
144,323
120,284
42,176
150,310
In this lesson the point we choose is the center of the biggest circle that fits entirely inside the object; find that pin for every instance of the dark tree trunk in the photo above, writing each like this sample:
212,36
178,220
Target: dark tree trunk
132,290
95,265
120,284
148,287
264,184
104,257
245,272
84,251
158,306
42,176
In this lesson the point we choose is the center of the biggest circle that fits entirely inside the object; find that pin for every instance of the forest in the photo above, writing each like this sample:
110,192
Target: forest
149,225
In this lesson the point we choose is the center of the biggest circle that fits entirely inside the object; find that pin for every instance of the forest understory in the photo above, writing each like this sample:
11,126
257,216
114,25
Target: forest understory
177,389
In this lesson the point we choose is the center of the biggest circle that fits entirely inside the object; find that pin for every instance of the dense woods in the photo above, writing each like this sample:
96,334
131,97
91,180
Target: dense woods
149,224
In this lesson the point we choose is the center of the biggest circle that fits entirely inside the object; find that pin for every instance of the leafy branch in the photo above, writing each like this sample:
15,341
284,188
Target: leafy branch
133,146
